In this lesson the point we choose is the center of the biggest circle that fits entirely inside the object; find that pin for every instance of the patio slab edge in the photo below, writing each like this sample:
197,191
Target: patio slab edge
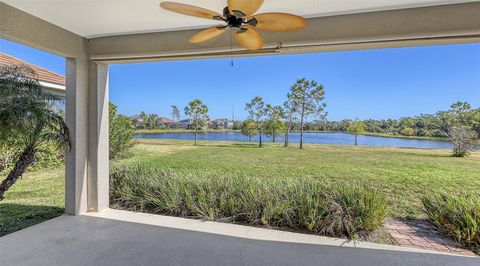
242,231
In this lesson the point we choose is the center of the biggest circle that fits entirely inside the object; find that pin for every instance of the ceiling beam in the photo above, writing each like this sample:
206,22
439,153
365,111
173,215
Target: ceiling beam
457,23
21,27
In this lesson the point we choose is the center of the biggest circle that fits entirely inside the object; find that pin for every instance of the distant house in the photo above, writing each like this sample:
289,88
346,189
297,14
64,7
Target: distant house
52,82
186,123
166,120
137,121
221,124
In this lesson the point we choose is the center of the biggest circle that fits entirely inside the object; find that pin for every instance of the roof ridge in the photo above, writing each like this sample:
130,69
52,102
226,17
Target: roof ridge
43,74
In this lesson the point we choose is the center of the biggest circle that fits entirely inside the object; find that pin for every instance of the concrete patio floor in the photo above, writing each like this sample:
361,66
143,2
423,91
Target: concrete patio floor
124,238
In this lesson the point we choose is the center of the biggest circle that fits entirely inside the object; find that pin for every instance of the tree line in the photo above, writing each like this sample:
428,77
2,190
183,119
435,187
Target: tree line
305,99
460,124
424,125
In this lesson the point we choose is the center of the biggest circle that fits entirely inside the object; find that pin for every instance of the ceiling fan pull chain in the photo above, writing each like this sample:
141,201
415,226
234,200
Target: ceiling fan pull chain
231,48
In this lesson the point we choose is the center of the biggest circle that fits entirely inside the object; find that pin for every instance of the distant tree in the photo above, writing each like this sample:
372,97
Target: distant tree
322,122
407,122
249,128
198,113
175,113
357,128
476,119
121,134
275,116
256,110
308,99
275,129
461,113
237,125
462,128
290,110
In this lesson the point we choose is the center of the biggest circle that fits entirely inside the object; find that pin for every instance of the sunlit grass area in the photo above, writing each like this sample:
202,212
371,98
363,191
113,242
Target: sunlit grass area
37,197
402,175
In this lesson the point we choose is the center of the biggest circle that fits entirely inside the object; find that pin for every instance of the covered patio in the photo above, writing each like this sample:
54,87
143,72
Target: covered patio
113,237
92,35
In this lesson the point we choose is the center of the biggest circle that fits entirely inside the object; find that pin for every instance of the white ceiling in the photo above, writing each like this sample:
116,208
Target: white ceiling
96,18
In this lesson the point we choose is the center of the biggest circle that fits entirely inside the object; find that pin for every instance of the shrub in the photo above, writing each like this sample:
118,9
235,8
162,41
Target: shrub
8,154
457,217
48,156
334,210
408,131
464,140
120,134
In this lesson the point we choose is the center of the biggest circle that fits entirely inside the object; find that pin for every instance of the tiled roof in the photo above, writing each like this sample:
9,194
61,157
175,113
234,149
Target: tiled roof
166,120
42,74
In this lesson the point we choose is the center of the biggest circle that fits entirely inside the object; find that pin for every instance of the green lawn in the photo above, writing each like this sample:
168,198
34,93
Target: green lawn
37,197
402,175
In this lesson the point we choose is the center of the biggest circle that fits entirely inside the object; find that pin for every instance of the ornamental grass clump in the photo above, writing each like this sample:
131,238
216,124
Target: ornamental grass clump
456,216
298,204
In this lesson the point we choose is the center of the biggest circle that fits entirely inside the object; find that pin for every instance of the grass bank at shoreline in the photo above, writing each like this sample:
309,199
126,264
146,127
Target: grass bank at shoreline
402,175
166,131
383,135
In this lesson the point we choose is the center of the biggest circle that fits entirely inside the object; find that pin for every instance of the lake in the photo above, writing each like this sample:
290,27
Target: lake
309,138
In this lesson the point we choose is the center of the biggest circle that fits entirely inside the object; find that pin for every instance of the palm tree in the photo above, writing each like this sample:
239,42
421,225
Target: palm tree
144,117
27,120
152,121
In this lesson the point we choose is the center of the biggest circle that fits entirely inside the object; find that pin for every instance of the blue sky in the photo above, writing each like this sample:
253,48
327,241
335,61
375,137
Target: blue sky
384,83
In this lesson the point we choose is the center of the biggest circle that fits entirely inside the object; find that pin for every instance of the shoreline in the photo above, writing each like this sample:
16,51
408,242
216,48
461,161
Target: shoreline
380,135
189,142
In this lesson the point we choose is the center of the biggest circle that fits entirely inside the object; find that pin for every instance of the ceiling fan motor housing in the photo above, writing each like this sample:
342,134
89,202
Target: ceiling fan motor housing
237,19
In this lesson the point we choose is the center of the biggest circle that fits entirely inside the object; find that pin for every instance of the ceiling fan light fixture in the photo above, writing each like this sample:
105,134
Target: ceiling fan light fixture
239,14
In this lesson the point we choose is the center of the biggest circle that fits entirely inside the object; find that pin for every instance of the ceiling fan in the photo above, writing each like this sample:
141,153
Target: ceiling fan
239,16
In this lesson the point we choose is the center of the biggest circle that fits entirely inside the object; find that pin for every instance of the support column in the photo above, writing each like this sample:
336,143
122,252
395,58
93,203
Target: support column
87,163
76,119
98,149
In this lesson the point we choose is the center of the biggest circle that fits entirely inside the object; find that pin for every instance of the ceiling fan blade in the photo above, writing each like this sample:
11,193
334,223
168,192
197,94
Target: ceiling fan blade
249,39
279,22
247,7
207,34
190,10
